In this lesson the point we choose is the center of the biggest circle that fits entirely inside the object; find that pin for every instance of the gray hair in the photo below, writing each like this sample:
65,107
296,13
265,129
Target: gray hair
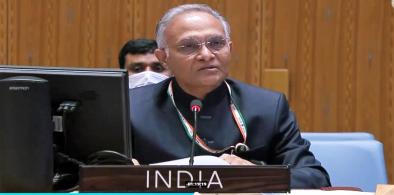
170,15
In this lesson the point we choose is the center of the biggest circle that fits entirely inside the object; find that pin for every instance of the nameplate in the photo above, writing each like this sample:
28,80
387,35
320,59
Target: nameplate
201,178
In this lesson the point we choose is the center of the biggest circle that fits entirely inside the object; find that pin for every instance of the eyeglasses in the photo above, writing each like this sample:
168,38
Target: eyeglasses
191,46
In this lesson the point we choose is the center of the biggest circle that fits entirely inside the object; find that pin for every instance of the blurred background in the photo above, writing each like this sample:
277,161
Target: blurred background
333,59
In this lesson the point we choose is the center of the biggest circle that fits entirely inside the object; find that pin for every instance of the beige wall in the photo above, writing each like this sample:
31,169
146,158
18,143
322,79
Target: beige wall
339,53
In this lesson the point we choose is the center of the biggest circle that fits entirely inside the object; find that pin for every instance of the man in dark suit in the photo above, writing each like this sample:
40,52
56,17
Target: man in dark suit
194,43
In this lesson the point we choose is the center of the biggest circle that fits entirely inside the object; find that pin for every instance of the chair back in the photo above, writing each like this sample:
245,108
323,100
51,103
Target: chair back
337,136
355,163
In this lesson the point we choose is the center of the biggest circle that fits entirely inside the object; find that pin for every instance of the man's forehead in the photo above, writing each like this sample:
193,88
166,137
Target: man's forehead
192,18
194,24
148,57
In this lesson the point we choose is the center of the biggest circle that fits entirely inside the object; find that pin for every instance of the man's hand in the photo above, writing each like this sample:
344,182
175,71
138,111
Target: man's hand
234,160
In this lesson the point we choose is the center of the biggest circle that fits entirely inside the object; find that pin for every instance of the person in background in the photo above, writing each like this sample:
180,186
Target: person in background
137,57
194,43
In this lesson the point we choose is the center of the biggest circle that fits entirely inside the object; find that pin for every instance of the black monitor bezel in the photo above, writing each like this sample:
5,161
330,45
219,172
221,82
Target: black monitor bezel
12,70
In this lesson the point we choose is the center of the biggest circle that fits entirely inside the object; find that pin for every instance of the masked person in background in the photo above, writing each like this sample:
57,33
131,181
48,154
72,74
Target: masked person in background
137,56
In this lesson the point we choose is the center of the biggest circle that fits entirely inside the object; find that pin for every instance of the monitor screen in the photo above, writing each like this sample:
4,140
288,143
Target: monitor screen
100,119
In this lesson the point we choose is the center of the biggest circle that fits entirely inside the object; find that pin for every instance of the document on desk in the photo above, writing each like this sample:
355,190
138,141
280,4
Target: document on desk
306,192
198,160
322,192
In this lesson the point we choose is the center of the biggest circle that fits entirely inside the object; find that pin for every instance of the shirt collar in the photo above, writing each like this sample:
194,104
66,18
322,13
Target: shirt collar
183,99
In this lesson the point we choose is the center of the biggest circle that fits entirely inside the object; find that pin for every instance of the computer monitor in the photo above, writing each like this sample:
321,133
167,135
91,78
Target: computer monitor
100,120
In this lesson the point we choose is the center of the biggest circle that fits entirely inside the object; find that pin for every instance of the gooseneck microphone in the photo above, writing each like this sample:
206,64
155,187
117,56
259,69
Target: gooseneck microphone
195,107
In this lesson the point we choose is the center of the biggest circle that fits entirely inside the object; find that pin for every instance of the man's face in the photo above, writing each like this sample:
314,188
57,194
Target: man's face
136,63
197,65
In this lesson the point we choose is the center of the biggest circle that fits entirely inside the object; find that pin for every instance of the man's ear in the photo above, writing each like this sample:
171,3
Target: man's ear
230,44
161,55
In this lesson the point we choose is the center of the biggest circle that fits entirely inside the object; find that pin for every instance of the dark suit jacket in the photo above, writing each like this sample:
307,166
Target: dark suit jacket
273,134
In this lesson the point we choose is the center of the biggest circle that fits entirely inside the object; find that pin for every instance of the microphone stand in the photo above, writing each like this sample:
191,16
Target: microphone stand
191,160
195,106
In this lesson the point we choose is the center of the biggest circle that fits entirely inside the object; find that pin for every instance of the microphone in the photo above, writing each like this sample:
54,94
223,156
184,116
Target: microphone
195,107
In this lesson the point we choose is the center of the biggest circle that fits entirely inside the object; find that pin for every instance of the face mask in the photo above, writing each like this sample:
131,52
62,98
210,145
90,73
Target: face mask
145,78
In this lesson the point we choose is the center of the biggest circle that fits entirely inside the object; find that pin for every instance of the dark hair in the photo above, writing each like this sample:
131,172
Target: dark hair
137,46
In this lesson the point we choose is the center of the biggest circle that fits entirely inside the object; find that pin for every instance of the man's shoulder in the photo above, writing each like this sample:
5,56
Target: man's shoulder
148,93
150,89
256,102
251,91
